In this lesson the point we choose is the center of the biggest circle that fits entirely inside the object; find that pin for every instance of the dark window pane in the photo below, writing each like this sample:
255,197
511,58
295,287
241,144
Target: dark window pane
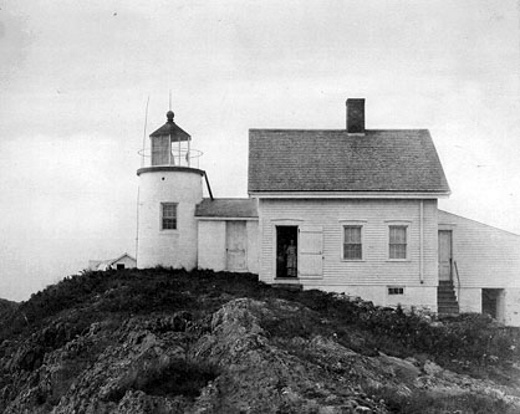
397,242
169,216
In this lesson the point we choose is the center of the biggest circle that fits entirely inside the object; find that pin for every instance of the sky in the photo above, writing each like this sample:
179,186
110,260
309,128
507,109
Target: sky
75,78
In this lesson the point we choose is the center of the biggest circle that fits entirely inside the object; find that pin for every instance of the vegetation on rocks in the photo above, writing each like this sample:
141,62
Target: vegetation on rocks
171,341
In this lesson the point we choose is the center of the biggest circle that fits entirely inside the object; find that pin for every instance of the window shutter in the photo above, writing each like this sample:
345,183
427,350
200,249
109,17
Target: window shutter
310,249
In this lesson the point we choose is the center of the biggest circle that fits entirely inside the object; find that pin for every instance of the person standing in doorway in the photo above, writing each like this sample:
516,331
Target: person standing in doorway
291,259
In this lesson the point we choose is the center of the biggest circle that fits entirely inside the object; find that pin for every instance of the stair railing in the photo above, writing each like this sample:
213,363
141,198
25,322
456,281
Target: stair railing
458,279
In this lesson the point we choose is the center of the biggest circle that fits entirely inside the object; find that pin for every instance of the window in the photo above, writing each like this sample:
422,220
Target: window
120,266
352,247
393,290
169,216
397,242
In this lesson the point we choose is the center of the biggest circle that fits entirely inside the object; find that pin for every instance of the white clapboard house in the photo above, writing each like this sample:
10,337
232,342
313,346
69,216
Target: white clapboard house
351,210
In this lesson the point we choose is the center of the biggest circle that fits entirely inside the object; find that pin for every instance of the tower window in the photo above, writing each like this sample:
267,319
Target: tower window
169,216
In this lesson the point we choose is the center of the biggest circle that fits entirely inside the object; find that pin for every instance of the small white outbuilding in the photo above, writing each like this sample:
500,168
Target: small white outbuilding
125,261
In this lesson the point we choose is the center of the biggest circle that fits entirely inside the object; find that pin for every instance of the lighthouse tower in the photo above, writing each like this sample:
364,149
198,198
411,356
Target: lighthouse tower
170,187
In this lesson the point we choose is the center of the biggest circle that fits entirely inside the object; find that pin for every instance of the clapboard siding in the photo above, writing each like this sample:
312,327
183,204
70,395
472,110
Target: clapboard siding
376,215
486,257
252,246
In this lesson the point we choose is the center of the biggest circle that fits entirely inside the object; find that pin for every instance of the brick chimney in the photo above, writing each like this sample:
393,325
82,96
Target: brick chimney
356,116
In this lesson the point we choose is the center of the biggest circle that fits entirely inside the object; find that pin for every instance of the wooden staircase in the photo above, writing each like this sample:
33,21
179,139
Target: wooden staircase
446,299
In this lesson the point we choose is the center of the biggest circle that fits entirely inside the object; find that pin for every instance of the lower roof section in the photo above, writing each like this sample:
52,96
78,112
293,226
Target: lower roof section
240,208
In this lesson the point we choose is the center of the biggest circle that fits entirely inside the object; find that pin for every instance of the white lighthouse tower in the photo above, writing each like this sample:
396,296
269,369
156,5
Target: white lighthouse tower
170,187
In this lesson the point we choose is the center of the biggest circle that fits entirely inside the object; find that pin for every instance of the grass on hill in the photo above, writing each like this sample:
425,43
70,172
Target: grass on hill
470,343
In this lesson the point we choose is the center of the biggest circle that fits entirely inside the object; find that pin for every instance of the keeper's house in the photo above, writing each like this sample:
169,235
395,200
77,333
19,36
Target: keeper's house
351,210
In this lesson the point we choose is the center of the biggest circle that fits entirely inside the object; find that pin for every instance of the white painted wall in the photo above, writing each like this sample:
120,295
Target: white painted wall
212,244
127,261
470,299
512,307
375,269
252,246
419,297
486,257
170,248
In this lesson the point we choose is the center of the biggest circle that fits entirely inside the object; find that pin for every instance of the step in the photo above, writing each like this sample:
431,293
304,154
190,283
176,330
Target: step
445,289
449,294
446,299
445,283
447,306
445,312
446,294
444,309
449,300
296,287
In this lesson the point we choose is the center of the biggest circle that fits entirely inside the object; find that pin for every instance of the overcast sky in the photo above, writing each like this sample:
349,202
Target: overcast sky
75,78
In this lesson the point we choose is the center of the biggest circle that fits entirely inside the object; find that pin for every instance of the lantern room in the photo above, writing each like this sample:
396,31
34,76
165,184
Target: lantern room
170,145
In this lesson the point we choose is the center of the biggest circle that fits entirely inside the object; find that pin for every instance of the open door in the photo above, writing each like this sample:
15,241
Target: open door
311,251
286,251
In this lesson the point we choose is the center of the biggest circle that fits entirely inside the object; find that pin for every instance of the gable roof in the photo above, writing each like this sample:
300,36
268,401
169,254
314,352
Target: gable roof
117,259
227,207
285,161
173,130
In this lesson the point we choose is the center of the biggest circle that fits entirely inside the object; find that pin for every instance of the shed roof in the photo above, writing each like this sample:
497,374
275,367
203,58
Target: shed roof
335,161
227,207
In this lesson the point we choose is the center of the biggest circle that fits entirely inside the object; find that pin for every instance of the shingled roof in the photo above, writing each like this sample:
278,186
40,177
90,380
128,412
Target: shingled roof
227,207
284,161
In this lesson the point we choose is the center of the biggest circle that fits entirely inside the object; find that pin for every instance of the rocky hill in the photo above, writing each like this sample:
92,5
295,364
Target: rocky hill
164,341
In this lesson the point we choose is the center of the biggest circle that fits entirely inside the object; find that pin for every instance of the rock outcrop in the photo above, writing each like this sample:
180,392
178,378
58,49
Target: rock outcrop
227,363
165,341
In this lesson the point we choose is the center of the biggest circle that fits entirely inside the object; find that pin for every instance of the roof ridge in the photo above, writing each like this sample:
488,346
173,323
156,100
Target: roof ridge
337,130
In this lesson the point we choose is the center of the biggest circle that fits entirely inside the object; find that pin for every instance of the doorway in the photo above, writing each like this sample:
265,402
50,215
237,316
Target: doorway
493,303
236,243
286,251
445,255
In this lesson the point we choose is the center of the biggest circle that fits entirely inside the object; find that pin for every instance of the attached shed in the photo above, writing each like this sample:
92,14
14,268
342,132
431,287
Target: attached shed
484,265
228,234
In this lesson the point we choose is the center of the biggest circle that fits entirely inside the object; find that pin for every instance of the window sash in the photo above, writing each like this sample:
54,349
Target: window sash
397,242
169,216
352,245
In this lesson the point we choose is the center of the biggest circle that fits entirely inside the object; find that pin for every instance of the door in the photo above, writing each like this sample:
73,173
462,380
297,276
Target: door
445,255
236,243
311,251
